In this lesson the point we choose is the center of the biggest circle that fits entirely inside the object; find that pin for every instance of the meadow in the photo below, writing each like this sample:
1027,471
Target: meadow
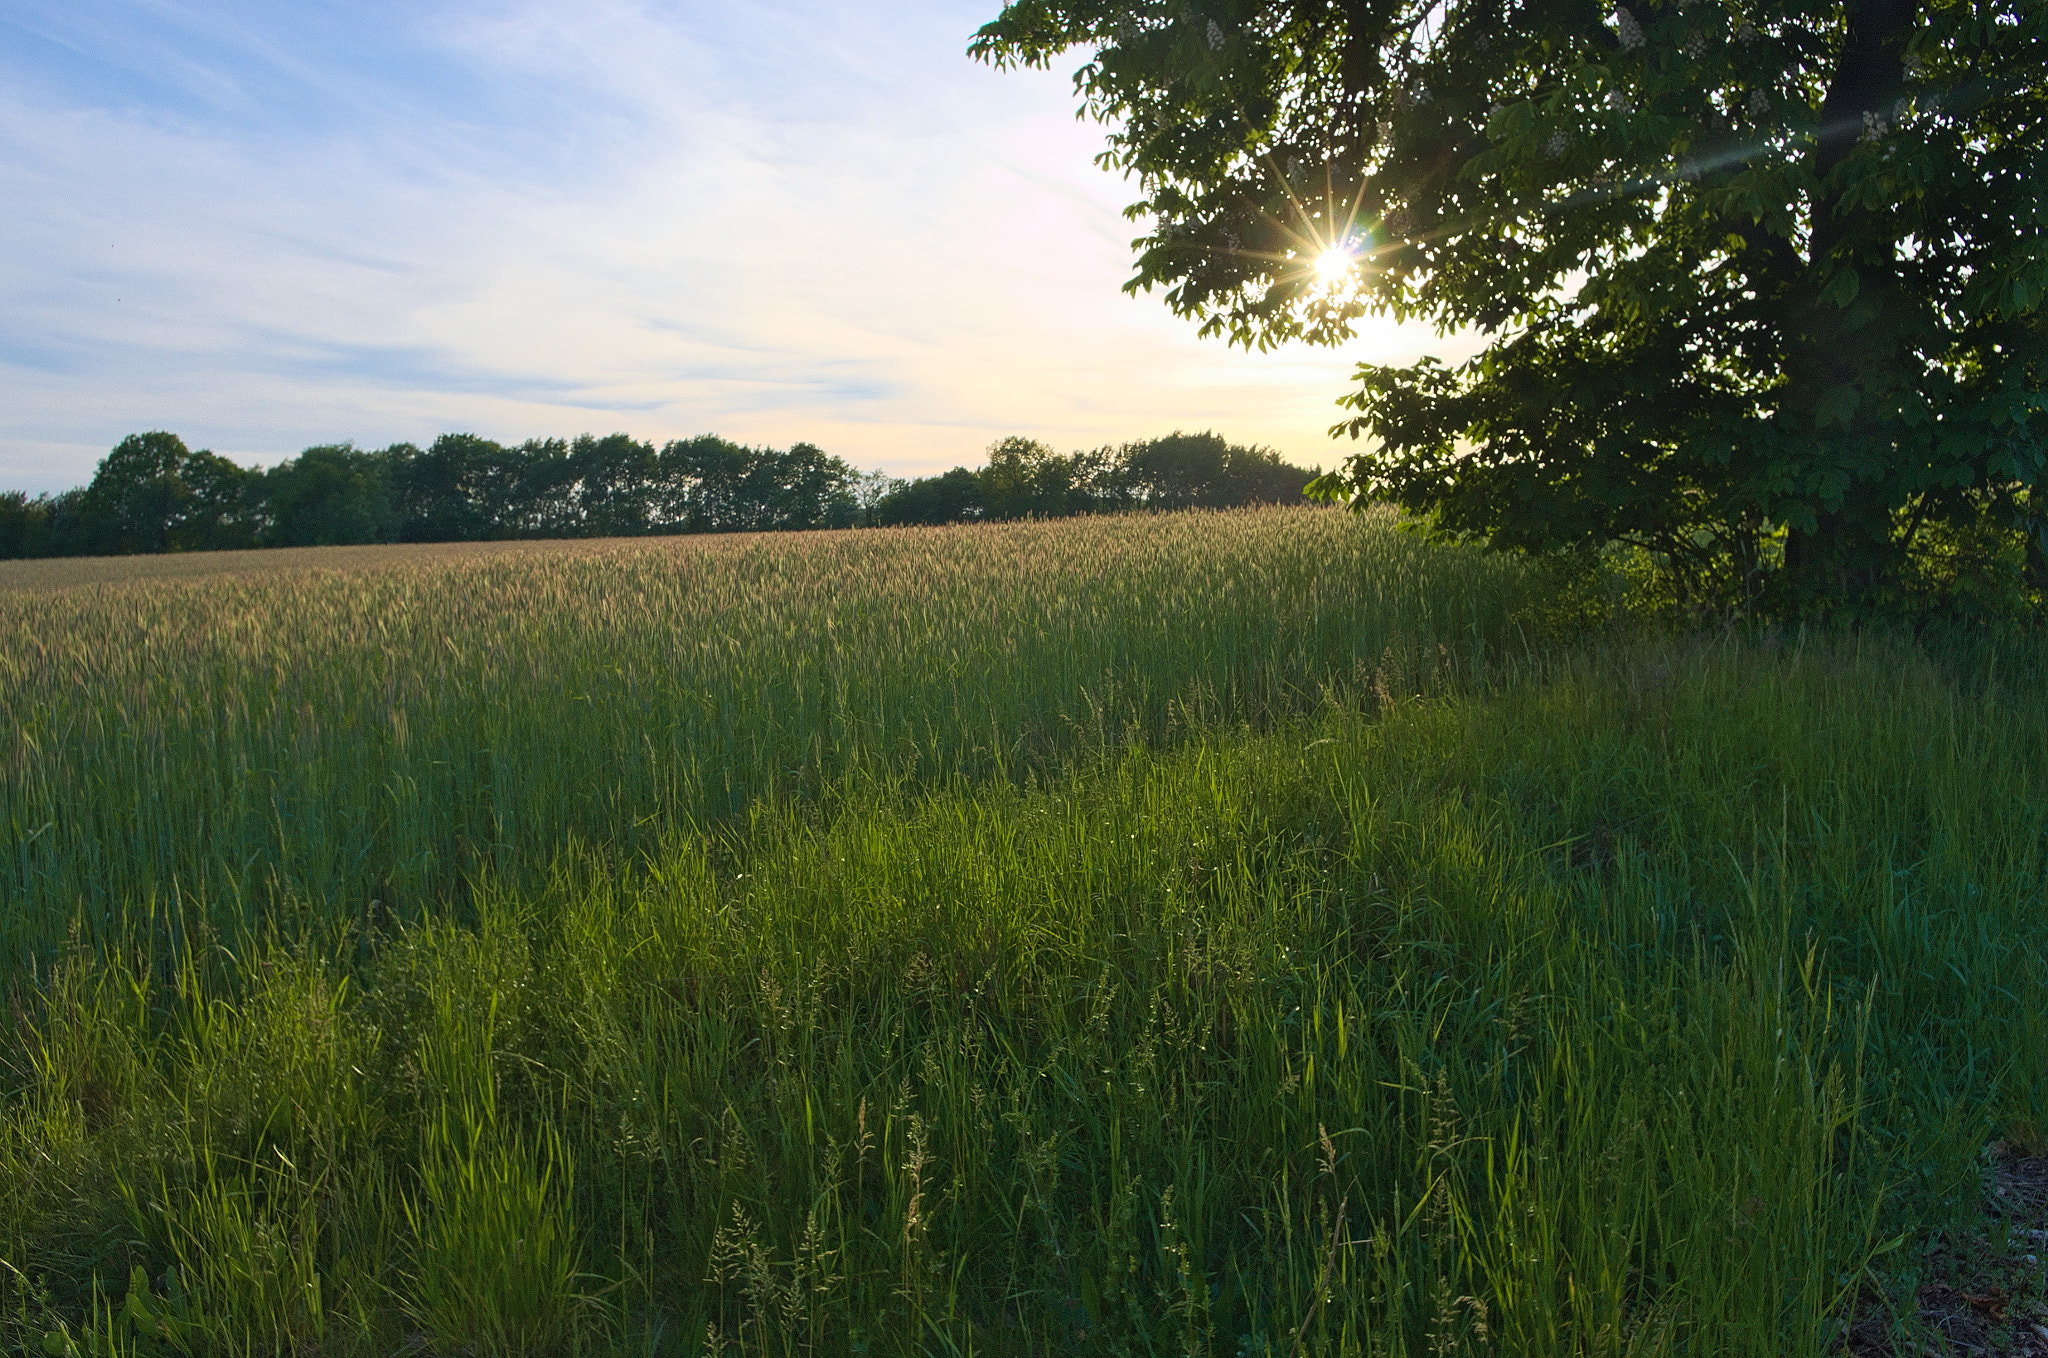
1253,933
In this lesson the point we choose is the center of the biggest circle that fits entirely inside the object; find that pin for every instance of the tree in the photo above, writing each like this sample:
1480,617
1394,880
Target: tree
1764,278
616,480
79,525
455,491
327,496
546,493
954,497
869,490
804,487
1260,476
24,525
713,485
152,494
139,491
222,511
701,485
1204,471
1180,471
1026,479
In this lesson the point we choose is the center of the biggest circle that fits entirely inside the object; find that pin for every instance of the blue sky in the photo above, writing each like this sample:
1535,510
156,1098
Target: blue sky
268,225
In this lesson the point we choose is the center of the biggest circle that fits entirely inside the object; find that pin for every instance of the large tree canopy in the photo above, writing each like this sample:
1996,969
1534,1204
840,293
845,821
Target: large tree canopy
152,494
1764,278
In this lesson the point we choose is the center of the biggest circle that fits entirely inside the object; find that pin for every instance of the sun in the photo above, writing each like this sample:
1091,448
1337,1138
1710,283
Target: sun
1334,263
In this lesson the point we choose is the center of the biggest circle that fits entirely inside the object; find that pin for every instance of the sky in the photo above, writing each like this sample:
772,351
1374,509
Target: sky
265,226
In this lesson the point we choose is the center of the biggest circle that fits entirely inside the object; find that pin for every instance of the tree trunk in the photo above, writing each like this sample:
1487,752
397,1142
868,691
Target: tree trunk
1850,552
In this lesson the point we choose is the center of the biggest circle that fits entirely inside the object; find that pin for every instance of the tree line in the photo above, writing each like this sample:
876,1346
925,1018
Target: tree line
1026,479
153,494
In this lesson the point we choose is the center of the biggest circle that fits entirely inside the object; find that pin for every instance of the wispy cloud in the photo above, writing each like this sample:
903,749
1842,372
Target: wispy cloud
269,226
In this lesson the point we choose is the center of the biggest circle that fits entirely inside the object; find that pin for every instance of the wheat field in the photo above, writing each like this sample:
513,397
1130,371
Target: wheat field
1247,933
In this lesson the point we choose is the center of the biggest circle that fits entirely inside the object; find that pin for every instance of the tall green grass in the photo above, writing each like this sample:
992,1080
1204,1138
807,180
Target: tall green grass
1629,1000
323,742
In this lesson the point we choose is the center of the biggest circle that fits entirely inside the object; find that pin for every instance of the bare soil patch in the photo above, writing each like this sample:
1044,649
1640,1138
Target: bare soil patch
1982,1290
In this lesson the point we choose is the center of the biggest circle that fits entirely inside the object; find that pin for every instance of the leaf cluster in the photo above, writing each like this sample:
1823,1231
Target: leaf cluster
1763,278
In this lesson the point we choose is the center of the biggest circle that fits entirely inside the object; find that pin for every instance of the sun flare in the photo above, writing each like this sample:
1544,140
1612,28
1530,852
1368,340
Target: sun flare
1334,263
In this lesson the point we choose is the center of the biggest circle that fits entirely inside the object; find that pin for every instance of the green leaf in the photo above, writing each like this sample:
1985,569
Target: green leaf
1837,406
1842,288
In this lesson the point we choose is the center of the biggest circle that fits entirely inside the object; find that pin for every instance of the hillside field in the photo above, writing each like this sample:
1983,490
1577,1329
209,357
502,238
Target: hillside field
1247,933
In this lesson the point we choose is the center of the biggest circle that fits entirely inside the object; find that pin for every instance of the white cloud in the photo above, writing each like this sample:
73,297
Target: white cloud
775,222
